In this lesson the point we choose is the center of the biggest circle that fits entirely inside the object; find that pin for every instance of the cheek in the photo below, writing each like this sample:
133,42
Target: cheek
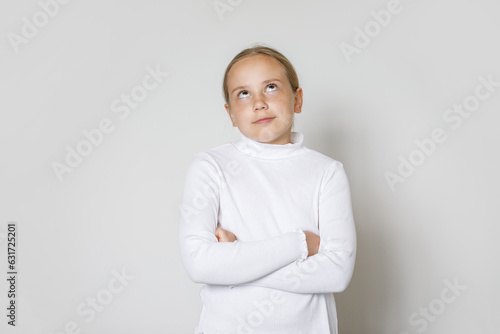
239,106
285,106
284,100
289,117
240,115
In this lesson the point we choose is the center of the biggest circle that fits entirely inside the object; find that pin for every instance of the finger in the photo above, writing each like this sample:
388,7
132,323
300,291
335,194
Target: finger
223,236
218,234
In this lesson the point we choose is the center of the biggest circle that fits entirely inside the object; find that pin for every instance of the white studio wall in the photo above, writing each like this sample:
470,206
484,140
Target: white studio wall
105,103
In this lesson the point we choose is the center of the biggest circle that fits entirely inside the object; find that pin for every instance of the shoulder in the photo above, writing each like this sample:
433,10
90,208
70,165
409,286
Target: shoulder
331,170
213,154
211,158
318,158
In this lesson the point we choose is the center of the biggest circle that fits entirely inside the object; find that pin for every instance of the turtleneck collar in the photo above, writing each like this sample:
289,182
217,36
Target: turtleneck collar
260,150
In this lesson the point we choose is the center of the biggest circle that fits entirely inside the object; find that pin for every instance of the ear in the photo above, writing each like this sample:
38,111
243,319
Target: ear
228,110
297,108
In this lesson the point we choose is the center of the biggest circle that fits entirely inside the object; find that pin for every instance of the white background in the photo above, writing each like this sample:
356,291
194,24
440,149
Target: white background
118,209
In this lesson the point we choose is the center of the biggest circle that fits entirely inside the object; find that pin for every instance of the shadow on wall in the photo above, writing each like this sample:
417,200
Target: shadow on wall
378,291
367,296
382,295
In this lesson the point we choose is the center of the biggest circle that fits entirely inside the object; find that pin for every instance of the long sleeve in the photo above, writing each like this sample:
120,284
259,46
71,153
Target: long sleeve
331,269
226,263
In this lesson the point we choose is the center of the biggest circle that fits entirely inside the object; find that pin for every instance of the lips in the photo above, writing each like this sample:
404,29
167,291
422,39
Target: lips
264,120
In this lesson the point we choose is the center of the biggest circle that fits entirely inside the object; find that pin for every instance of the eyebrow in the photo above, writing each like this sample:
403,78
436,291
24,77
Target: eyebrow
264,82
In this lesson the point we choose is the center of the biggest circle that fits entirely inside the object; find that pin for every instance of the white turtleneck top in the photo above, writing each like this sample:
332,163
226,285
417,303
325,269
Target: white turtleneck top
267,195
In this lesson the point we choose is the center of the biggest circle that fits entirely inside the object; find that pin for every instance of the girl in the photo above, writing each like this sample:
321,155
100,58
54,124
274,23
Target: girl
266,223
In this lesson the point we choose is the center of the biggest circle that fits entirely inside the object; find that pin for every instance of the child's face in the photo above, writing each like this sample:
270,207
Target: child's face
258,88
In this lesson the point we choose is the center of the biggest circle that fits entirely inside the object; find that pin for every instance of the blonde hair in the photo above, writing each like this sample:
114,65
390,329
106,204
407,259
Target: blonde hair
264,50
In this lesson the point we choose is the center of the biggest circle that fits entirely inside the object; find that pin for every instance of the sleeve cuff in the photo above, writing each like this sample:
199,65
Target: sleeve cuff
303,246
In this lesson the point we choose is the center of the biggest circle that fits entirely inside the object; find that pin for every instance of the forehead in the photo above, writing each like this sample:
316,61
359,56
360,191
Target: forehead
259,67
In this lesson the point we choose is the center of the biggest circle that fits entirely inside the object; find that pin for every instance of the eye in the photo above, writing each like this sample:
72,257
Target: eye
272,86
242,92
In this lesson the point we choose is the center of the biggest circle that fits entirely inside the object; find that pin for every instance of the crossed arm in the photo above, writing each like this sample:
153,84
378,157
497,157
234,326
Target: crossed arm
330,270
225,263
286,262
312,239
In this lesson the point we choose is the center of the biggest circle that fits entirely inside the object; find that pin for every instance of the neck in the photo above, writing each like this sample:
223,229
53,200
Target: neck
260,150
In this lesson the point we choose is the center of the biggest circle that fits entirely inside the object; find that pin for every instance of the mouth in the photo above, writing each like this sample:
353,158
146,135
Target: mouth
264,120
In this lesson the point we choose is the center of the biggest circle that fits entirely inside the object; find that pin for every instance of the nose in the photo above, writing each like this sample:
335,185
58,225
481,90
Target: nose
259,102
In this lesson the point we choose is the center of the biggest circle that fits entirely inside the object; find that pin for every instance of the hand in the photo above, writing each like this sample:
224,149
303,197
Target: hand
312,243
224,236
